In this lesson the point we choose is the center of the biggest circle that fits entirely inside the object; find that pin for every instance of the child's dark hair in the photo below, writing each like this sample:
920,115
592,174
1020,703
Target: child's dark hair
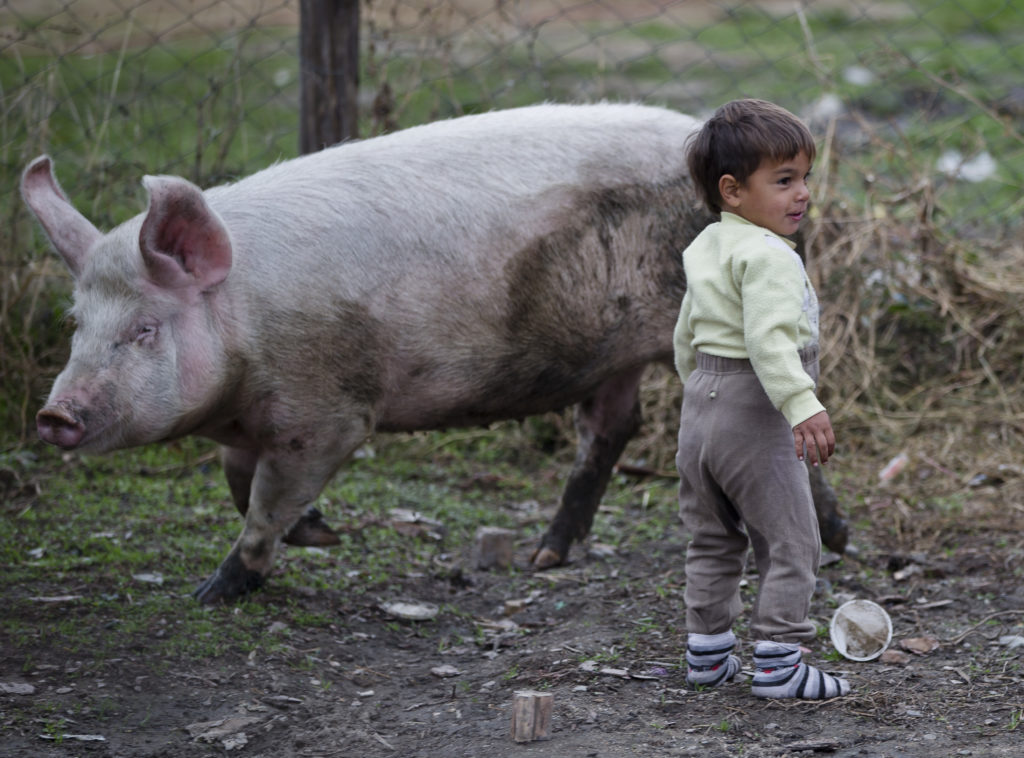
735,140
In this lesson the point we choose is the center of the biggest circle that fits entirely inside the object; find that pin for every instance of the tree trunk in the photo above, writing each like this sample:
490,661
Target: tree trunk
329,72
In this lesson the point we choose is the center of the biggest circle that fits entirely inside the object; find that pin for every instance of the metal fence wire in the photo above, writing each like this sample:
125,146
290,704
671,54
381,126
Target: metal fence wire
209,90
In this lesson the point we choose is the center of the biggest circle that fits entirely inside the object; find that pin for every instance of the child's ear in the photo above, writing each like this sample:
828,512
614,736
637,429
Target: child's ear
729,190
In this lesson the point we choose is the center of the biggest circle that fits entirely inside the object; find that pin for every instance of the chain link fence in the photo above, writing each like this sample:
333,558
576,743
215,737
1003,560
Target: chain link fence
209,89
909,96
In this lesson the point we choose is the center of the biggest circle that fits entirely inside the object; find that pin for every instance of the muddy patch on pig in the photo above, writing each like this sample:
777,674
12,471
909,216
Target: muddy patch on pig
96,664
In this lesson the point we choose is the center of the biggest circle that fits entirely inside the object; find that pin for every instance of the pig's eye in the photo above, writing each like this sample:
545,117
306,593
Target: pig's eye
145,334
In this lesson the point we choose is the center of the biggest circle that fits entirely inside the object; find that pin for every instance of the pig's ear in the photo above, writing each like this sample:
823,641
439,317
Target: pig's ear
71,233
183,241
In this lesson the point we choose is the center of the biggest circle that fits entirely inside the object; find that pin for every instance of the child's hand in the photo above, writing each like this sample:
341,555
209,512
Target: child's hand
816,435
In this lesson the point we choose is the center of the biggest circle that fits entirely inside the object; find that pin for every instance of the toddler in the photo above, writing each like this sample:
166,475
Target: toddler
746,348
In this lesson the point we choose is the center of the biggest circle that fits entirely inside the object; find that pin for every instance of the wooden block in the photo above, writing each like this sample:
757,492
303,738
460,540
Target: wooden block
531,715
494,547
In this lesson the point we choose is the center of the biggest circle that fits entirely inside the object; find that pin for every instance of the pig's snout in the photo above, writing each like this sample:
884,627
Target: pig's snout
59,425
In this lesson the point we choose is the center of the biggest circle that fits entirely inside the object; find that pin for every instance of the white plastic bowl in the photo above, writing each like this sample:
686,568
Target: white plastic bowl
861,630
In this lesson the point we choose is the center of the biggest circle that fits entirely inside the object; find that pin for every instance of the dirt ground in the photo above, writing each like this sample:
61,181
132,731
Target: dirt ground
603,636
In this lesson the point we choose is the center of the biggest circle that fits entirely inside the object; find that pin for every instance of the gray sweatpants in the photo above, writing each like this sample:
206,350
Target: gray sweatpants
743,486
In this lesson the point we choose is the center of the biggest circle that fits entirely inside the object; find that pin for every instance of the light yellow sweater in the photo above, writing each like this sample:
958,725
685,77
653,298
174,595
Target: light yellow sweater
748,296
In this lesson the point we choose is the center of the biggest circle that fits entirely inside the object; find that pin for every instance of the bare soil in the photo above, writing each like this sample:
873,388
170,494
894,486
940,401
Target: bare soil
603,635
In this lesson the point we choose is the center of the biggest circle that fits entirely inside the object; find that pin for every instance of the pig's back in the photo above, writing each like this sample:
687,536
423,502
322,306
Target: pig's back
443,188
509,151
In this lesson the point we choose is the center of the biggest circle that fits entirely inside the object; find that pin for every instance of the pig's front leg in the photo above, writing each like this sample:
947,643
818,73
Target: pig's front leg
283,485
239,468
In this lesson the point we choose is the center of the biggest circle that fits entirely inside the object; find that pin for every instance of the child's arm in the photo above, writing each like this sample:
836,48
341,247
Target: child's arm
685,355
816,435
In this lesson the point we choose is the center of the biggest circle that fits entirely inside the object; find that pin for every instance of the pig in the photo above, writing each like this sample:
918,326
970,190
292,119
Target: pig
485,267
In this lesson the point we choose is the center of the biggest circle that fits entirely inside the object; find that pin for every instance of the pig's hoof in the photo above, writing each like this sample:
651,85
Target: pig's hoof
312,531
229,582
835,533
545,558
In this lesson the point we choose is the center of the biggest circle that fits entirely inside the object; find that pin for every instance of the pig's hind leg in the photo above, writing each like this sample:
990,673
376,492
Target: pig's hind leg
835,532
605,422
239,467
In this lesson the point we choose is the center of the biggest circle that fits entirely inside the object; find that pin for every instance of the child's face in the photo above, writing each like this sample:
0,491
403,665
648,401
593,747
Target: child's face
774,197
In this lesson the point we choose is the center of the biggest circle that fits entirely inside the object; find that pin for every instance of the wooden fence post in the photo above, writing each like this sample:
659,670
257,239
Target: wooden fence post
328,71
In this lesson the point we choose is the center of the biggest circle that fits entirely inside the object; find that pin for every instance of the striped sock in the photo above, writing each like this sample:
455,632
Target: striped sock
708,659
781,674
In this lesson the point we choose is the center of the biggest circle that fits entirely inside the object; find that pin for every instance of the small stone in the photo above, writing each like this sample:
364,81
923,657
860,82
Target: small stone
410,611
235,741
149,578
16,688
895,657
494,547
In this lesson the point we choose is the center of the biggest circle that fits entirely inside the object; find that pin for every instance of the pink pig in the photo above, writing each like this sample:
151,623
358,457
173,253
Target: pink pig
482,268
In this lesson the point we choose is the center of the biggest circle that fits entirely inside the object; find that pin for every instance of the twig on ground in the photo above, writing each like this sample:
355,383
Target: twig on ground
963,635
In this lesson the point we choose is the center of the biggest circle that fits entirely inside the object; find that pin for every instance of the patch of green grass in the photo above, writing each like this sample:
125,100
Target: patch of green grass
952,504
973,47
54,728
103,529
635,513
209,114
972,16
832,656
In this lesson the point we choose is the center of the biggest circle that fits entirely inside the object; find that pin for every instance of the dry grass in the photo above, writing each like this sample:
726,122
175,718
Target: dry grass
923,329
29,349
